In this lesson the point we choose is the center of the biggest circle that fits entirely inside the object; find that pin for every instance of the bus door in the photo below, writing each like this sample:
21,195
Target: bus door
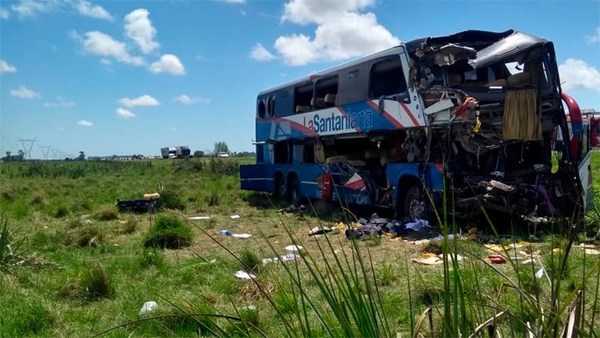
579,148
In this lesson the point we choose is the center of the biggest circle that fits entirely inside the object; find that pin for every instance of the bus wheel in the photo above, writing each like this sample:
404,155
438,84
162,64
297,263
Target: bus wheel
280,188
415,203
293,190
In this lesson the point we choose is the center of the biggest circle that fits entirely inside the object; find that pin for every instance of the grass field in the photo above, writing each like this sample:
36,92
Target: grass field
72,265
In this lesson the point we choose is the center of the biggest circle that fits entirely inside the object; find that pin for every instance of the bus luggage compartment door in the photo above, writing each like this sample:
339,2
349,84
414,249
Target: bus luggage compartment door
257,177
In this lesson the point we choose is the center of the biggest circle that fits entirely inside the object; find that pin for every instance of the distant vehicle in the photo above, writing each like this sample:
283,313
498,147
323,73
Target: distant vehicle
222,154
175,152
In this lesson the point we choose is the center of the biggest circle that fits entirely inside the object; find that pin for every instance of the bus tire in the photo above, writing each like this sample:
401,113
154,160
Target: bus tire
414,203
293,190
280,187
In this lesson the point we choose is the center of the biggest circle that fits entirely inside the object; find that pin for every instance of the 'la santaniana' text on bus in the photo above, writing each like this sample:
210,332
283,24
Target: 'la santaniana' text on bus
479,114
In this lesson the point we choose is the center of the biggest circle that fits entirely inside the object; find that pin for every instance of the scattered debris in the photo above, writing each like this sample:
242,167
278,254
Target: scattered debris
540,273
293,248
244,275
496,259
283,258
194,218
294,209
225,232
148,307
138,206
428,258
234,216
319,231
243,236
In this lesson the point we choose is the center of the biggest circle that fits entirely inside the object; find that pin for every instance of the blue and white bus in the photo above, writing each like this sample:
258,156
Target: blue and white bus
473,113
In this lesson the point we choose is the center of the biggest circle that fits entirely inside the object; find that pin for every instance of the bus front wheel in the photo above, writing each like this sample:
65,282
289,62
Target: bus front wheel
414,204
280,187
293,190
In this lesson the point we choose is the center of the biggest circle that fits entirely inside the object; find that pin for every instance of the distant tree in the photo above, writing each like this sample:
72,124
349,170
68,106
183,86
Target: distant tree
221,147
81,156
198,153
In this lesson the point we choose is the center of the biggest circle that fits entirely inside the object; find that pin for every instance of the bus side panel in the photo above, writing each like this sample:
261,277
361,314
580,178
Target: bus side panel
257,177
309,176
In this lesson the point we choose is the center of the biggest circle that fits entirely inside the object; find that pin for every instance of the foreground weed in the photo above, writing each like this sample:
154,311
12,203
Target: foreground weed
11,249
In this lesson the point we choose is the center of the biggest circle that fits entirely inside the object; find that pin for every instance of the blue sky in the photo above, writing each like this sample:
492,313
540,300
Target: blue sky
129,77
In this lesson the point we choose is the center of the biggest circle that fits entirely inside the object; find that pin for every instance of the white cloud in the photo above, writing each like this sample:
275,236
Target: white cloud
101,44
24,93
578,75
85,8
30,8
318,11
60,102
85,123
144,100
138,27
260,53
594,38
5,67
168,63
342,31
184,99
4,13
123,113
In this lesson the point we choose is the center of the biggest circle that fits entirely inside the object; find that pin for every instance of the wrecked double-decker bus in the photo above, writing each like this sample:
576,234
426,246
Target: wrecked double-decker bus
473,118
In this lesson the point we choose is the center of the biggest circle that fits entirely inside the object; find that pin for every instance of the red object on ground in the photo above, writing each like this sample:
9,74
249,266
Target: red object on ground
496,259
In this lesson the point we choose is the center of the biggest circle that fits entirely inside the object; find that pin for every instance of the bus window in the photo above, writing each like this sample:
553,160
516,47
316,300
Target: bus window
271,106
283,152
302,96
387,78
326,90
261,109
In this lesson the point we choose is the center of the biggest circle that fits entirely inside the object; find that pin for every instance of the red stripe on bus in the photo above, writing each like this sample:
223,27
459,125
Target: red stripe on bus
410,114
295,125
385,114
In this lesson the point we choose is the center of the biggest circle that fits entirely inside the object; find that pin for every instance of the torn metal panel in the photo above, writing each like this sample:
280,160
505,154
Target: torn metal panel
510,45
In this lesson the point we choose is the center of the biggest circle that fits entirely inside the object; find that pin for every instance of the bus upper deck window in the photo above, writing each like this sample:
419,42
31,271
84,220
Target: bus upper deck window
261,109
387,78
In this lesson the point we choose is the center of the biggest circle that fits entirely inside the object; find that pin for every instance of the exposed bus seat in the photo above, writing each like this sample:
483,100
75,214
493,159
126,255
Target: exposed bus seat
330,99
319,152
318,102
302,109
519,80
497,83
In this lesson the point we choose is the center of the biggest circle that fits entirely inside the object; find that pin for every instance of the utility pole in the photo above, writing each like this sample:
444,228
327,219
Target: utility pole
45,151
27,146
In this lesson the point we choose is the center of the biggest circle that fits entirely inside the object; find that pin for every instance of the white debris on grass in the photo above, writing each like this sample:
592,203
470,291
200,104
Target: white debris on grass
194,218
244,275
243,236
234,216
293,248
148,307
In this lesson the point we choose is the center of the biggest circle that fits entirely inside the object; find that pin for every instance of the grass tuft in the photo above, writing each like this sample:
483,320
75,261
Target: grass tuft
108,213
168,232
